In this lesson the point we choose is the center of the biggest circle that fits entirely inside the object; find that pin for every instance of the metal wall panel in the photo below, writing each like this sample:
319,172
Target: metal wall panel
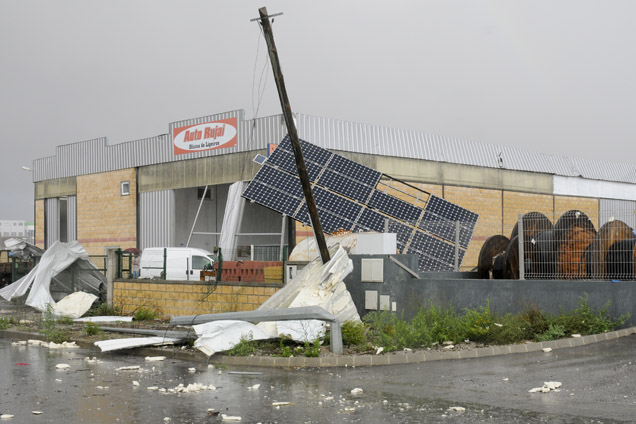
71,218
94,156
156,219
623,210
52,217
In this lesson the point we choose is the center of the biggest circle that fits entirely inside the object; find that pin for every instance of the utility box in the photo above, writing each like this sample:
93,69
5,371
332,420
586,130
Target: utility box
372,270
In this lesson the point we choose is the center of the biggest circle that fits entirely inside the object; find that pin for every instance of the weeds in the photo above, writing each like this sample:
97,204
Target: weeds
436,325
104,309
49,327
245,347
146,313
5,322
92,329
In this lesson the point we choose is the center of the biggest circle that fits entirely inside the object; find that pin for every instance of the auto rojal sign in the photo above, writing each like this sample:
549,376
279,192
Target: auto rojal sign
206,136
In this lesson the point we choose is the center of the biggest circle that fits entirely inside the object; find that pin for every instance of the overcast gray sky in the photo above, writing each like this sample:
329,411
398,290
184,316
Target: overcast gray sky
552,76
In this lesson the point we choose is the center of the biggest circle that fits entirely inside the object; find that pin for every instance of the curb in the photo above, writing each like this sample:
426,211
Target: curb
395,358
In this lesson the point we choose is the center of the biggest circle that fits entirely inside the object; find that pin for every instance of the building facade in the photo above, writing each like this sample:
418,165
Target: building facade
173,189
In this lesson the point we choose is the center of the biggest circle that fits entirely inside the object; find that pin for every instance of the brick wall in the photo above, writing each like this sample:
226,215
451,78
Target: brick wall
190,298
39,223
488,205
105,218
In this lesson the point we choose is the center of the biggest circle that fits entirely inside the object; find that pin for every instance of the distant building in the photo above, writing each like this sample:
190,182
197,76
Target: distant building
147,192
17,228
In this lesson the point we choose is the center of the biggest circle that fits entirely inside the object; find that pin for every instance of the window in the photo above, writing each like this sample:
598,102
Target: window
208,194
199,262
125,188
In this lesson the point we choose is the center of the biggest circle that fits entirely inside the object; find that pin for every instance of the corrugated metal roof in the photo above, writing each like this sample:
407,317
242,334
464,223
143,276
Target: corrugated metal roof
96,155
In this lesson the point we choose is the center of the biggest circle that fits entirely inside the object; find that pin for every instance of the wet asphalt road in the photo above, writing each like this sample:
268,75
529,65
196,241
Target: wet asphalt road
598,386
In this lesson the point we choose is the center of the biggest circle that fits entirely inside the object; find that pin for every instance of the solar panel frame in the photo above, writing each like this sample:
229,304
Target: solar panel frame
344,185
395,207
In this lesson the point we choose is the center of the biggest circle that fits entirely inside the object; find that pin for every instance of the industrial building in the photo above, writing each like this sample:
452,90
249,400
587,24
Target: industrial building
172,189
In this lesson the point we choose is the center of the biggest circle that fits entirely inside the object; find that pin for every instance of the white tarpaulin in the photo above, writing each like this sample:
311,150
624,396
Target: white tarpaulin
217,336
55,260
316,284
74,305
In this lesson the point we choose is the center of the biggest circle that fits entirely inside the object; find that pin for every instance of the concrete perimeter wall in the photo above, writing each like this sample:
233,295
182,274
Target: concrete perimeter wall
504,296
174,298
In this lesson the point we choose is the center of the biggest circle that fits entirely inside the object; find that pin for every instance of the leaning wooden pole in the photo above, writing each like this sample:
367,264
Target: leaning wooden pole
293,135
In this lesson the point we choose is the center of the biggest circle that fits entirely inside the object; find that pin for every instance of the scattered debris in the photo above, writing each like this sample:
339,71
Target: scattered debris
243,372
457,409
116,344
357,391
212,412
547,349
45,276
152,388
107,318
281,403
498,325
6,416
166,419
449,347
505,379
135,383
230,418
36,412
155,358
63,345
74,305
62,366
254,387
129,368
192,370
547,387
379,350
576,335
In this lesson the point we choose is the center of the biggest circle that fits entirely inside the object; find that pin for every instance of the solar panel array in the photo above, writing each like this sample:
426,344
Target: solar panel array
347,198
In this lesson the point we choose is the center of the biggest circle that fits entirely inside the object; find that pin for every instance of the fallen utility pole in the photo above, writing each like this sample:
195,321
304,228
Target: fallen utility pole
293,135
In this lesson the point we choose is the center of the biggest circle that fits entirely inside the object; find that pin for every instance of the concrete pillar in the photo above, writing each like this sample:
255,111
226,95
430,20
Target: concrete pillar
111,273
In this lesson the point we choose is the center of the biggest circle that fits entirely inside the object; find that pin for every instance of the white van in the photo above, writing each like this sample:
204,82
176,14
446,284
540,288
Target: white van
182,263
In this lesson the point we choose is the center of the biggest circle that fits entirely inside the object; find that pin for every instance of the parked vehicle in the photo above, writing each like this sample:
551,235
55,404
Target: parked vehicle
181,263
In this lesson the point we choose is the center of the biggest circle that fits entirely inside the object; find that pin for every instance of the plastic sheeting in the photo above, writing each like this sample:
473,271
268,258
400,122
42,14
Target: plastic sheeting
53,268
74,305
232,217
217,336
316,284
131,342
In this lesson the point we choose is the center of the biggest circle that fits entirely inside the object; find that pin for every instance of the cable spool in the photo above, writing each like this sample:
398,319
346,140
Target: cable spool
492,247
607,235
573,233
620,259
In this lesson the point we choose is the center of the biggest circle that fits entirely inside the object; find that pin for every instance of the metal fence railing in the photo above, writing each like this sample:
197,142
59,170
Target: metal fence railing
571,248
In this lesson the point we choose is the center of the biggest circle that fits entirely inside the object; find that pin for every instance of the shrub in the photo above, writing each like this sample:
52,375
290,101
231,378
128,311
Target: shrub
584,320
353,333
553,332
312,350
